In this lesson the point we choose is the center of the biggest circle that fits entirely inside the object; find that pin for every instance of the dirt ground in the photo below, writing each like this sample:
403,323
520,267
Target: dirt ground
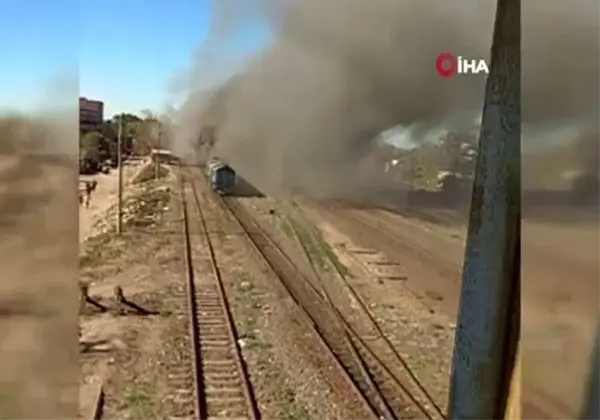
421,336
560,306
413,300
560,296
103,197
292,376
115,346
559,315
134,355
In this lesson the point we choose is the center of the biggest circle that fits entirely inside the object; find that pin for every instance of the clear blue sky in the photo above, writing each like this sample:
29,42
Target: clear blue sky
35,47
125,52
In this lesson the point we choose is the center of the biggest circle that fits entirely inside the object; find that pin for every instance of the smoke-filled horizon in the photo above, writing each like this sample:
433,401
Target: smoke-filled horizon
304,111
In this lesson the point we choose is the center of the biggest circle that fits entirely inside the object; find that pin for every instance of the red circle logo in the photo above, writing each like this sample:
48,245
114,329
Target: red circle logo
449,61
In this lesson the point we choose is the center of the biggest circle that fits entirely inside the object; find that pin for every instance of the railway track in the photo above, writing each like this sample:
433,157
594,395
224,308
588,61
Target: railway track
323,318
381,390
536,403
385,229
397,391
222,387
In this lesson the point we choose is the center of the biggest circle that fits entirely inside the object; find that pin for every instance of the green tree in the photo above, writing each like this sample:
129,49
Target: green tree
130,122
90,146
126,117
459,150
108,129
145,135
140,134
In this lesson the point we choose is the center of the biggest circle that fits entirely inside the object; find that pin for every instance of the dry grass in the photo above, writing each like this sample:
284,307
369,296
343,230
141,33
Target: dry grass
424,339
133,367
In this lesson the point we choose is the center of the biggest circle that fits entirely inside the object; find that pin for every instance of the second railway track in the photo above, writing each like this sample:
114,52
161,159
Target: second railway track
222,387
536,402
400,392
383,392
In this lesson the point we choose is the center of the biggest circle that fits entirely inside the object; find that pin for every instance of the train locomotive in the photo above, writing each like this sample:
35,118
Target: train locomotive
222,177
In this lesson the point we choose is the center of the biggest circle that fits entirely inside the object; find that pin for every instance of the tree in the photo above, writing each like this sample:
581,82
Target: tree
460,151
127,118
130,123
109,130
145,136
90,146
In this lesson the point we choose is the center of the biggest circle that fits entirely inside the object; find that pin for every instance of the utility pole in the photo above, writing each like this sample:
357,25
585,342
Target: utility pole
486,342
591,409
156,162
120,169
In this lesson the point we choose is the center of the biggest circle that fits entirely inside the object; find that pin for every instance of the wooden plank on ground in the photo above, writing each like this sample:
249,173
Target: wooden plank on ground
91,401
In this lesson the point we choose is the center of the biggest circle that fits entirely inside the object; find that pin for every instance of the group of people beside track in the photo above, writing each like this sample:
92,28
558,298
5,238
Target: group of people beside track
85,195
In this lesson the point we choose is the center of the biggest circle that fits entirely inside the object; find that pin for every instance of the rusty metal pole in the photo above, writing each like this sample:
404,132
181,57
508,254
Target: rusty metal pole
120,181
591,409
489,315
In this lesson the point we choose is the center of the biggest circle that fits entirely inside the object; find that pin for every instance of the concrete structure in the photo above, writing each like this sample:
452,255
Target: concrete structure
162,156
91,114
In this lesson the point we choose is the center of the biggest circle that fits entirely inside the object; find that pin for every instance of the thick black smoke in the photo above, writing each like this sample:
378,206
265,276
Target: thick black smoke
561,61
305,110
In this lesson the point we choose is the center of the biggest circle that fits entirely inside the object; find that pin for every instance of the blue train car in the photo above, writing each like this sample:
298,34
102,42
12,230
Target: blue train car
213,163
222,179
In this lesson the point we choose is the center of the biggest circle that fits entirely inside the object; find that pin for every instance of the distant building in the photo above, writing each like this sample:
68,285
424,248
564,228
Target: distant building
91,114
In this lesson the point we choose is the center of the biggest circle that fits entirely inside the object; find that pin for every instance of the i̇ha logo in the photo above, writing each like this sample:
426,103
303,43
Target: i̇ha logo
448,64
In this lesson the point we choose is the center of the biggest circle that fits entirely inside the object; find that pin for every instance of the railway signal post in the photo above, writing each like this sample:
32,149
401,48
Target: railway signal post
487,334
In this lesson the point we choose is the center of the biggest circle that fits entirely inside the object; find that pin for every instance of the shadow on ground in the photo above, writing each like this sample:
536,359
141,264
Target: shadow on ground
243,188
